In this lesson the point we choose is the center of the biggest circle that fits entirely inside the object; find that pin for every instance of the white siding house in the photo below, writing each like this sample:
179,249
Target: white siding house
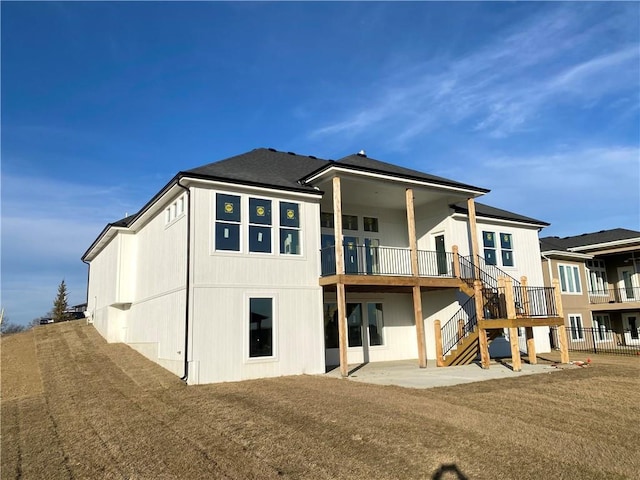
238,269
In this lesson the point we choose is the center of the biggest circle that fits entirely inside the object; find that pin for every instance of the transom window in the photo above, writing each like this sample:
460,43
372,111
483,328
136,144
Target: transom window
569,279
174,211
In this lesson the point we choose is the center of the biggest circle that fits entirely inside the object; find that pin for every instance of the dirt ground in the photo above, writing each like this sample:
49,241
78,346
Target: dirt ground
76,407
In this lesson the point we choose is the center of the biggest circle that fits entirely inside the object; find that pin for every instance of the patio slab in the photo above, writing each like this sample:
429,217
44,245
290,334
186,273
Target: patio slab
406,373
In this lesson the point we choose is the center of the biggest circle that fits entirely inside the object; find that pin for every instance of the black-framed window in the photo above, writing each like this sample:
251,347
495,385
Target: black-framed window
349,222
489,242
326,219
370,224
289,228
228,215
261,327
506,247
259,225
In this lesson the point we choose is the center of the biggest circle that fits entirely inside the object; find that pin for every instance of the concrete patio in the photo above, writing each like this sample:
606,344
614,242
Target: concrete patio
405,373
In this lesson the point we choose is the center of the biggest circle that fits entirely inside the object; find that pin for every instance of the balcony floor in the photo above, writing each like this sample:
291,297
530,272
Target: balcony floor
388,283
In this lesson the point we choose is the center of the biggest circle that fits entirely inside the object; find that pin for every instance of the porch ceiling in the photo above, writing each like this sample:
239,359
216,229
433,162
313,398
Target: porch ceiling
383,194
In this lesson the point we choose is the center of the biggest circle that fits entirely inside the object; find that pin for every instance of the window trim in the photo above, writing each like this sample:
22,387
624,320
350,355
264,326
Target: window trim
248,296
252,225
497,248
564,286
239,223
578,329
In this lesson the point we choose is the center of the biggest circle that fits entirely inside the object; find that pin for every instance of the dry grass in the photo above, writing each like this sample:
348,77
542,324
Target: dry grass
75,407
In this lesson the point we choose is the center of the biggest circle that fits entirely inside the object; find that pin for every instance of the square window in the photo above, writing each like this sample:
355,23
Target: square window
260,239
289,215
489,239
228,236
227,207
349,222
260,327
260,211
326,220
507,258
490,256
505,241
370,224
289,241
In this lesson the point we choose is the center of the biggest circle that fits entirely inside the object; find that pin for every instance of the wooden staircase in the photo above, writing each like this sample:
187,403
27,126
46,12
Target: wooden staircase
468,349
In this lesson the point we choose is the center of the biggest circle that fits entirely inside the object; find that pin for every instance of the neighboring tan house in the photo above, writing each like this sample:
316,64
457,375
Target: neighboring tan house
599,275
271,263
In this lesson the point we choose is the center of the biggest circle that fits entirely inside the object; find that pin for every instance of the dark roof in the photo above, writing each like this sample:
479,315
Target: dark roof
586,239
262,167
361,163
124,222
492,212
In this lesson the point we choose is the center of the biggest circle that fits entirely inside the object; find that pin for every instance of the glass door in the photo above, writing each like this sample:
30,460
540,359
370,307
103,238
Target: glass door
328,254
628,287
371,255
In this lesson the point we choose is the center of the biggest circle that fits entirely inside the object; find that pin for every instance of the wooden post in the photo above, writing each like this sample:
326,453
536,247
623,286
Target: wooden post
473,233
437,330
456,261
417,309
411,226
562,331
460,330
337,225
417,294
342,328
341,294
513,332
526,309
483,341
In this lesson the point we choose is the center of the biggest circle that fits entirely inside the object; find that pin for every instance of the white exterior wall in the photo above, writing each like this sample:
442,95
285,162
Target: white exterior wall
223,282
155,323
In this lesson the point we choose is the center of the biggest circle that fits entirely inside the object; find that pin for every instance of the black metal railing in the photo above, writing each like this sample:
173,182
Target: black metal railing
615,295
377,260
435,264
535,301
599,340
461,324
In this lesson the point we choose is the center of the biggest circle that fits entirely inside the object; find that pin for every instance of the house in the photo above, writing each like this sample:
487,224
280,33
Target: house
271,263
599,275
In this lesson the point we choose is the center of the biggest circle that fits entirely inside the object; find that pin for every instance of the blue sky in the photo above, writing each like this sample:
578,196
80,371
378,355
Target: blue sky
102,103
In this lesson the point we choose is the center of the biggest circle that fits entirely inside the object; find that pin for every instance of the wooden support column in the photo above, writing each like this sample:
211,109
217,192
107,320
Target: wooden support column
483,341
513,332
417,294
411,226
337,225
437,330
531,344
562,331
473,233
341,295
342,328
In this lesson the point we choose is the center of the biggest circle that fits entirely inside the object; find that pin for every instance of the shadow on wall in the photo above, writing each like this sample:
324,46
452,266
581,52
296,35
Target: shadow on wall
448,471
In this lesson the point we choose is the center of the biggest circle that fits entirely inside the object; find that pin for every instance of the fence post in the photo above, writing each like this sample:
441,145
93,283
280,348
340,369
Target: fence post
456,261
562,331
438,336
483,342
593,336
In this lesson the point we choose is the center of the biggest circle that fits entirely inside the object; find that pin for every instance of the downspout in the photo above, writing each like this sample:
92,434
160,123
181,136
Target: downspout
548,266
187,285
88,278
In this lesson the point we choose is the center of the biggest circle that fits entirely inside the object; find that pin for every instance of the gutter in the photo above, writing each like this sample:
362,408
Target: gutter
185,377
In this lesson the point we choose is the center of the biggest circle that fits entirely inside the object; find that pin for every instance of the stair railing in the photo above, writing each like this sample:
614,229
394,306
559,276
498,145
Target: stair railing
461,324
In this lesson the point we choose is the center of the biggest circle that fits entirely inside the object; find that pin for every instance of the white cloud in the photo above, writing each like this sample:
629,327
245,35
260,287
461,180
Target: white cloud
498,89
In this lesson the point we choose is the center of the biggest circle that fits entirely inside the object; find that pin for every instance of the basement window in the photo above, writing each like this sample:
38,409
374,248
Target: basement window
261,327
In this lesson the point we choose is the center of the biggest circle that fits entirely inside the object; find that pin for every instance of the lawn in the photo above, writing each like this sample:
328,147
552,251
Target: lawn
76,407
